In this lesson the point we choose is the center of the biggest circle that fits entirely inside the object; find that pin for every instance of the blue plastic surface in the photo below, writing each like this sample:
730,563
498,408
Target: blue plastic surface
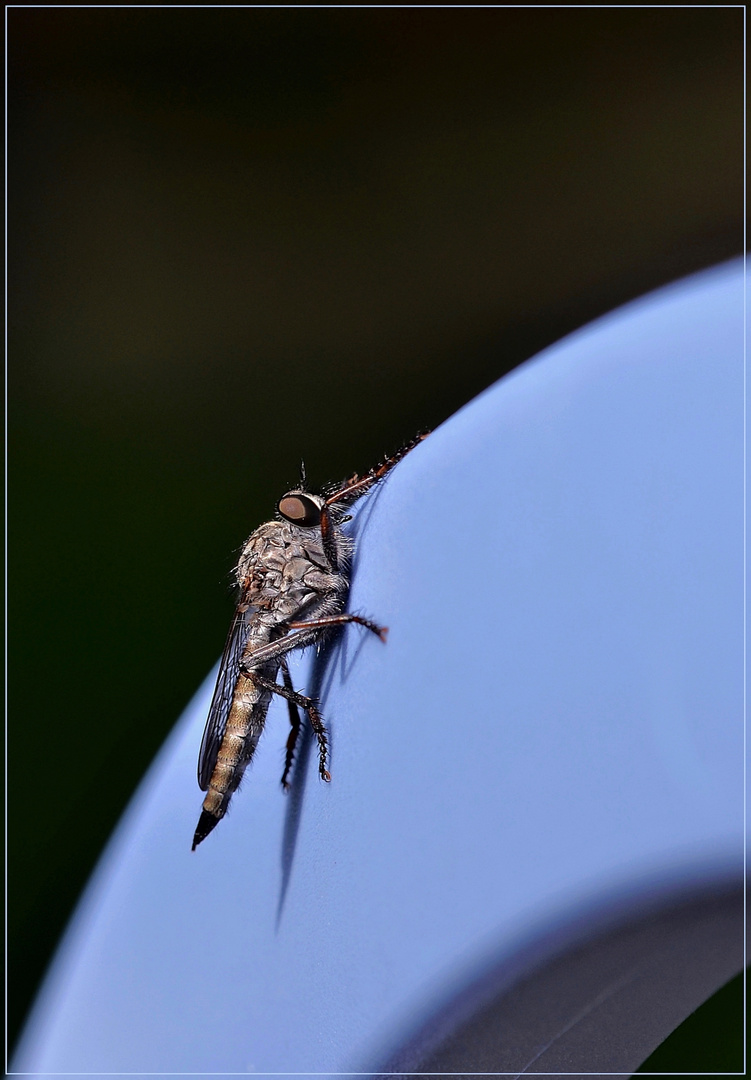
557,718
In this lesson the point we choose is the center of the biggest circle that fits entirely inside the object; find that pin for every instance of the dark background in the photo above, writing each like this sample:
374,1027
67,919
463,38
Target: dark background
241,236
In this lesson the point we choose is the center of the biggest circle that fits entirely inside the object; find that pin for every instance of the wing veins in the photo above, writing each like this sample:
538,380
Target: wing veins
224,692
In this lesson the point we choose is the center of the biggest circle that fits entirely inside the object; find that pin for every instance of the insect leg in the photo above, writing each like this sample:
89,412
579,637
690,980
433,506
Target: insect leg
358,485
327,536
351,490
307,703
304,634
339,620
294,719
274,650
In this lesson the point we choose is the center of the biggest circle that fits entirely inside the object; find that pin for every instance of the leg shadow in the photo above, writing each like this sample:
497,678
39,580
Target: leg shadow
323,671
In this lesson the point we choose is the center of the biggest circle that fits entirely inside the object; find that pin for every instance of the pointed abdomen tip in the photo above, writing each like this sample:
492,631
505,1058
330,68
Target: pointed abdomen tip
206,823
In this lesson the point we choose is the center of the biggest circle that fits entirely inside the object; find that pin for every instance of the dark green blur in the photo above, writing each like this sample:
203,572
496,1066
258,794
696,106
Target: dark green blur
243,236
709,1041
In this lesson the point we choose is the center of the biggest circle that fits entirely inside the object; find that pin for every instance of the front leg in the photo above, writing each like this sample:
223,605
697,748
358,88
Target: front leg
351,490
356,485
329,543
307,703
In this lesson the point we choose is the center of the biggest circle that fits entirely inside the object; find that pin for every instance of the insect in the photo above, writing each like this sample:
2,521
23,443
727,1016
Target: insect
292,579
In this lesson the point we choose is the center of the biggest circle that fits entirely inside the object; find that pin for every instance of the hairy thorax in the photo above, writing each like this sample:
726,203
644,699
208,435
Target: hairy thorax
283,574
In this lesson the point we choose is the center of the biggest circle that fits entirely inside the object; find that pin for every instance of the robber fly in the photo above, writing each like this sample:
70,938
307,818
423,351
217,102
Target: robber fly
292,579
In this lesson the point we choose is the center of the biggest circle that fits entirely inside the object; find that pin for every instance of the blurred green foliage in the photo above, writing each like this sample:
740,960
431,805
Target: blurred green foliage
242,236
709,1041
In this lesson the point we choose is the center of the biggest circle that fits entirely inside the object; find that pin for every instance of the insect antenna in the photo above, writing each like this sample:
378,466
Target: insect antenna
303,477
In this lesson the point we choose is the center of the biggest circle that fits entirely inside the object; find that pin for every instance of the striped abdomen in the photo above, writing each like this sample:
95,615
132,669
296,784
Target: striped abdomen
245,722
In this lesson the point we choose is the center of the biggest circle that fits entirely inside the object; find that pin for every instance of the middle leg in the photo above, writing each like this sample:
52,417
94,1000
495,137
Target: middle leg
341,620
302,634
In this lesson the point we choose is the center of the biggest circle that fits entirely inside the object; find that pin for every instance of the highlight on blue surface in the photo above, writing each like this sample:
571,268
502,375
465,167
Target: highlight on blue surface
531,853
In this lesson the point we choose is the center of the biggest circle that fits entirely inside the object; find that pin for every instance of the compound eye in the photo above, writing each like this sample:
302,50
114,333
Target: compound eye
300,509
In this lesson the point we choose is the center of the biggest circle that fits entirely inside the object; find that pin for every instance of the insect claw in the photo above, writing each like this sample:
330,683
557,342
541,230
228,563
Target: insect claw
326,775
383,633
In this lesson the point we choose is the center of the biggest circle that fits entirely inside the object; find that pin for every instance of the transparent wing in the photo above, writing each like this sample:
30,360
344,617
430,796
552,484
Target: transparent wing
224,691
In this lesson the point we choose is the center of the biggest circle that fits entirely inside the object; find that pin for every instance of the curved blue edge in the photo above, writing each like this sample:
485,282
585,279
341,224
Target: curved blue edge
596,992
554,727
